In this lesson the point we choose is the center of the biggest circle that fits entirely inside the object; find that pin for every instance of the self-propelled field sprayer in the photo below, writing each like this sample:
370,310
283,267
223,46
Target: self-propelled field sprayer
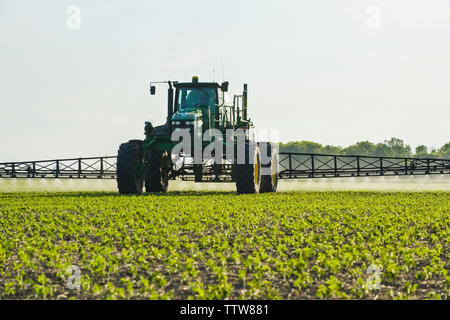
207,138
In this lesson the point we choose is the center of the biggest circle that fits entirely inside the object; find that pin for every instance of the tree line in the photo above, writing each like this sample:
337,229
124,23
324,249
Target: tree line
393,147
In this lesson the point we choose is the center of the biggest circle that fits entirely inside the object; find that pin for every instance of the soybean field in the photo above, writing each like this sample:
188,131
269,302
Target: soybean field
217,245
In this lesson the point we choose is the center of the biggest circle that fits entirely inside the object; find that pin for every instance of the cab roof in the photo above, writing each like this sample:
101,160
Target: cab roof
196,84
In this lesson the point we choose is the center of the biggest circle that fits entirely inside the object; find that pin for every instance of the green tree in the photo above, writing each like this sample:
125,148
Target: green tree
421,149
383,150
301,146
422,152
444,151
364,148
398,147
445,148
331,149
394,147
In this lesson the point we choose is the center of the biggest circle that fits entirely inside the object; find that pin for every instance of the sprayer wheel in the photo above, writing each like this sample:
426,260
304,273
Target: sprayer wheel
198,172
155,174
269,171
129,162
248,174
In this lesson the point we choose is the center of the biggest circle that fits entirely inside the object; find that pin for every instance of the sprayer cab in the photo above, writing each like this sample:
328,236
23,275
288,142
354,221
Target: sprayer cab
191,95
194,95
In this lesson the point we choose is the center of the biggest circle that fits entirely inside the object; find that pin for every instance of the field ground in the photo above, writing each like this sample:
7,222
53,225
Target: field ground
206,245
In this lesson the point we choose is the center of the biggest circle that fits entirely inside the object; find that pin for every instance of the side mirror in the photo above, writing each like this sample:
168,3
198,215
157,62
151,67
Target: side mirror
152,90
224,86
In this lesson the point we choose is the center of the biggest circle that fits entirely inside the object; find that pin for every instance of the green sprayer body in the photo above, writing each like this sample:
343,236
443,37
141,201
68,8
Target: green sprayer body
207,137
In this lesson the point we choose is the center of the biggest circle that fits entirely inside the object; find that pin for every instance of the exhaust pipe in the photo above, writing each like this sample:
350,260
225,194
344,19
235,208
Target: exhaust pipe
170,104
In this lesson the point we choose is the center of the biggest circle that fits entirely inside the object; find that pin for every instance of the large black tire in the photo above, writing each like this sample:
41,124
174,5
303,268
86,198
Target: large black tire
198,172
269,171
155,172
129,159
248,174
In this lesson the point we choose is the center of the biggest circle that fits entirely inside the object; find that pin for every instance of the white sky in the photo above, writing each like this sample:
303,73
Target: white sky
315,70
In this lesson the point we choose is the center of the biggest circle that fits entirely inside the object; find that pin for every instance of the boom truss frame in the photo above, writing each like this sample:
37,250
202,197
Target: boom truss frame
87,168
292,165
305,165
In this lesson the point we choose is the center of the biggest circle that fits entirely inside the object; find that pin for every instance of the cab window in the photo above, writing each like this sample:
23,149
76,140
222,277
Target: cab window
189,98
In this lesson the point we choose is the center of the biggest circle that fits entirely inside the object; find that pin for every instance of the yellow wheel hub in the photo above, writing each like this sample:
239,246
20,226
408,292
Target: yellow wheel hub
256,170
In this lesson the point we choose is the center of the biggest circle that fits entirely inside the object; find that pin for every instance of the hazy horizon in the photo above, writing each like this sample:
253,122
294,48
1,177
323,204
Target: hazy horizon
323,71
